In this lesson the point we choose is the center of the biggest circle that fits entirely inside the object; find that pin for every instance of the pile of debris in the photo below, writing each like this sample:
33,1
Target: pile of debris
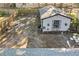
75,40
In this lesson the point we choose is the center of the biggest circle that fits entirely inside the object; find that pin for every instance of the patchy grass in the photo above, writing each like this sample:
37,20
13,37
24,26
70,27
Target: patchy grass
26,11
3,13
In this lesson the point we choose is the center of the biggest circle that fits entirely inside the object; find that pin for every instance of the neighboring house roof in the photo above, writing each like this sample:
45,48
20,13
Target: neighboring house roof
56,15
50,11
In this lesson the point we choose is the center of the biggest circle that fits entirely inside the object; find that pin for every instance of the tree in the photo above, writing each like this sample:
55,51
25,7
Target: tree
46,4
39,5
54,4
74,21
77,4
13,5
61,5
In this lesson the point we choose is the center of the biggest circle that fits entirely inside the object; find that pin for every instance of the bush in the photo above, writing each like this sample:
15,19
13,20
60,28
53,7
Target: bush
2,13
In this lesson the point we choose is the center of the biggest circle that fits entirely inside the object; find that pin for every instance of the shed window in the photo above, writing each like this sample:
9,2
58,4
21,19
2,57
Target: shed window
48,25
65,24
47,28
44,27
56,23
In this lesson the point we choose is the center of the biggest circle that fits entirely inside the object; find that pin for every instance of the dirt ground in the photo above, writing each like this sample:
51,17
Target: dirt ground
53,41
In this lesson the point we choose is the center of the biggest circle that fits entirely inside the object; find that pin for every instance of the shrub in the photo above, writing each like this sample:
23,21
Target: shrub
2,13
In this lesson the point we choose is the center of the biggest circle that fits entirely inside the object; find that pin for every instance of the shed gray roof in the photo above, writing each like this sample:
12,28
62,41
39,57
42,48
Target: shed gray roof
50,11
56,15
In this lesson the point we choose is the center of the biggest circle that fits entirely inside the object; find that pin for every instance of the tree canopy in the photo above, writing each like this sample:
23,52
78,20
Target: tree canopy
74,17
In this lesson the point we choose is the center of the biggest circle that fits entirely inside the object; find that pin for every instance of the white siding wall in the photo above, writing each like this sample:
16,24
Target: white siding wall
45,22
62,19
63,27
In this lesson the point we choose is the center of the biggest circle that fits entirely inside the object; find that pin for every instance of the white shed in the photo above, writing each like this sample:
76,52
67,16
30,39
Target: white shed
53,19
